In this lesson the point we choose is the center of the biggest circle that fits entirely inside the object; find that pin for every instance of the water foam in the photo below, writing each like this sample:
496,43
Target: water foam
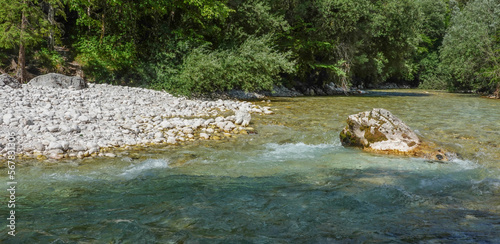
137,169
282,152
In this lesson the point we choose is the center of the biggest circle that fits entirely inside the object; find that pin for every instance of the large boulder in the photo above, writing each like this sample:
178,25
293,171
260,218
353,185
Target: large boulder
58,81
7,80
380,131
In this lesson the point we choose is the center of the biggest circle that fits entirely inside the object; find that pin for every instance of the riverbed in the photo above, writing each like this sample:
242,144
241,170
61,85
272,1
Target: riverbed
292,182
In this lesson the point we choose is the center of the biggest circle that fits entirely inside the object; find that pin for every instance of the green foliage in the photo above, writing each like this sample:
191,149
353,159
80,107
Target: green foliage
435,17
120,39
470,48
255,65
199,46
432,73
105,59
10,23
49,61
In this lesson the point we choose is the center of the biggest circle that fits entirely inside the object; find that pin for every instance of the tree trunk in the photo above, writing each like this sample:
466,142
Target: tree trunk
103,28
52,23
22,52
497,92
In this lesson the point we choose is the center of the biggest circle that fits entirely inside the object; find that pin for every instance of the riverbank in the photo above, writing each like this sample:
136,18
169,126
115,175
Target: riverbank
58,123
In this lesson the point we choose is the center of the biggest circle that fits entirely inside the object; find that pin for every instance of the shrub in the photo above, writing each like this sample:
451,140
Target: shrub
254,65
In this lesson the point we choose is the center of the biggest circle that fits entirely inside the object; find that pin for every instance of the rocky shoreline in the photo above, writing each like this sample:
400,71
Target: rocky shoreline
58,123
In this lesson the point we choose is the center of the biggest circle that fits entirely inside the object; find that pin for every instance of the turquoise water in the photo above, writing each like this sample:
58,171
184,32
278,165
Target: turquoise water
291,182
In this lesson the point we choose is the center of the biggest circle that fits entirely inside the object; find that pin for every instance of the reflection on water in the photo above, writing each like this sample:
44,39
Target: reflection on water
292,182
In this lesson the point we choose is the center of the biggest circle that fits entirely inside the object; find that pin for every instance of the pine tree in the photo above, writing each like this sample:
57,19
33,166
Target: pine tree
23,24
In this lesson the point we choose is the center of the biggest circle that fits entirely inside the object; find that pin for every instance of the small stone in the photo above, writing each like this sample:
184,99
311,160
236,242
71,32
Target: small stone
84,119
93,150
65,145
78,148
75,128
171,140
243,117
110,155
204,136
55,146
92,145
159,135
38,146
56,154
53,128
41,157
166,125
187,130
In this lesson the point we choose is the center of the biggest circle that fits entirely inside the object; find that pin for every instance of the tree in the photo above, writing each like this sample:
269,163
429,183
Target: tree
470,47
23,24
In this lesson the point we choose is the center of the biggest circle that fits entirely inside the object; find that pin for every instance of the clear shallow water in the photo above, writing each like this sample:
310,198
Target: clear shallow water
293,182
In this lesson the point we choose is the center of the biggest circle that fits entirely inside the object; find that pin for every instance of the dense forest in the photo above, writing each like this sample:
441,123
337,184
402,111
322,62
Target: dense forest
199,46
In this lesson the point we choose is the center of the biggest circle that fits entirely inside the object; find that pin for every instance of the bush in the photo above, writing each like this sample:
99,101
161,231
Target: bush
469,46
107,59
254,65
49,61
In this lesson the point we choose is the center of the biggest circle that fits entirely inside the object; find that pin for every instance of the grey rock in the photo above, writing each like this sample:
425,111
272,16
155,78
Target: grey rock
379,130
65,145
78,148
84,119
93,150
75,128
54,80
7,80
56,154
53,128
38,146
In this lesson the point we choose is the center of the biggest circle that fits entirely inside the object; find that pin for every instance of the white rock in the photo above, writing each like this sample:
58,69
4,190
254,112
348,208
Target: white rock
55,145
171,140
84,119
65,145
53,128
243,117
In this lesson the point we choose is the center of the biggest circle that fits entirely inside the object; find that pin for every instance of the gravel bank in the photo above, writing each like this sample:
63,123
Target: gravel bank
61,123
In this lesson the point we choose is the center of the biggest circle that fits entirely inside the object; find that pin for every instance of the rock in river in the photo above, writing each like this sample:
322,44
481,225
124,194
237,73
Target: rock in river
379,129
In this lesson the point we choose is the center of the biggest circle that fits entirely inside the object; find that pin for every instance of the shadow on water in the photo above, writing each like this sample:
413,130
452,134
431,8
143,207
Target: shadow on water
370,93
343,205
388,93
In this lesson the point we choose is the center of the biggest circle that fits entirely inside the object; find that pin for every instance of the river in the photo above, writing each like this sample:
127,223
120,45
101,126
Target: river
293,182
